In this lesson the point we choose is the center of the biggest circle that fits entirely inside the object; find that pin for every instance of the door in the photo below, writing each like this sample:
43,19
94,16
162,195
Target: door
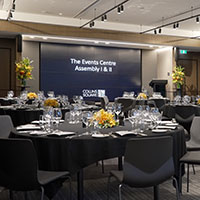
5,71
191,76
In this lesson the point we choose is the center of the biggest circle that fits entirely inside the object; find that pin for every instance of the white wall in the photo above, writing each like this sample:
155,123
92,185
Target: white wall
31,50
165,67
149,71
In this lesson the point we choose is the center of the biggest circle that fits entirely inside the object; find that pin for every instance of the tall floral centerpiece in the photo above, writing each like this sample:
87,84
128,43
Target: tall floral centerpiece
24,70
178,77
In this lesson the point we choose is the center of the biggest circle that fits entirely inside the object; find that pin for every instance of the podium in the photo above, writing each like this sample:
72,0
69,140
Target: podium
158,85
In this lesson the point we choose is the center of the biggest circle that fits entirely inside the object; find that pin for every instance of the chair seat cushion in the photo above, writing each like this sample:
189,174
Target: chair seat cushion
192,146
192,157
45,177
117,174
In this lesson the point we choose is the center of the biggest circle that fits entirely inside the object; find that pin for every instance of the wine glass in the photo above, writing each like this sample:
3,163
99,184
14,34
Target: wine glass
86,119
117,110
50,94
57,116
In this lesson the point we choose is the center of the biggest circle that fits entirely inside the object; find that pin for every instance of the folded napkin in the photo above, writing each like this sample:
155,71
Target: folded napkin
123,133
28,127
61,133
165,127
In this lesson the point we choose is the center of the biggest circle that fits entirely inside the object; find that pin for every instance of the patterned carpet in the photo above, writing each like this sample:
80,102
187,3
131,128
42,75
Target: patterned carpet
95,188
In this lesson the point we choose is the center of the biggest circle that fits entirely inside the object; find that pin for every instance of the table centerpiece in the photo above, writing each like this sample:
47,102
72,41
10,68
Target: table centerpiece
178,78
23,71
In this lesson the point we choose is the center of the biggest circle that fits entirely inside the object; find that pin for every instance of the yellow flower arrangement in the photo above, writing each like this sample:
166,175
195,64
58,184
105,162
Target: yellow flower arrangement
104,119
178,76
142,96
23,70
198,101
32,95
51,102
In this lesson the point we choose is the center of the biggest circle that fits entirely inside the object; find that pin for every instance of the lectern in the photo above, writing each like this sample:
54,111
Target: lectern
158,85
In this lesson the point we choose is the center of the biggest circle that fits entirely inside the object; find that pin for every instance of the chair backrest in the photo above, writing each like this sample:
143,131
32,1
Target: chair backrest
151,103
6,126
104,101
195,130
18,168
148,161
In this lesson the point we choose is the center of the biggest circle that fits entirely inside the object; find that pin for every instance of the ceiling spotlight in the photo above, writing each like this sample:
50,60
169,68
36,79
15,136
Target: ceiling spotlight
177,25
90,24
174,26
122,8
102,18
93,23
197,19
105,17
160,30
118,10
155,32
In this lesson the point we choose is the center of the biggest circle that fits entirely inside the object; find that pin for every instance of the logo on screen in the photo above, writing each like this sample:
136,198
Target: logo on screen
93,93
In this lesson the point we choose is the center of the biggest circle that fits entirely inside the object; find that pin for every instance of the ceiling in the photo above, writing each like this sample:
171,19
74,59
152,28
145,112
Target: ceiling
138,15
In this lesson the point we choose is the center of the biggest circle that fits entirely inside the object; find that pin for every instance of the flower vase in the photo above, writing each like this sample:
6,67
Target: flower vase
179,90
23,85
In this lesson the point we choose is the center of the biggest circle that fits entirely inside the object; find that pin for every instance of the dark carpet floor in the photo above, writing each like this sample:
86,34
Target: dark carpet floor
95,188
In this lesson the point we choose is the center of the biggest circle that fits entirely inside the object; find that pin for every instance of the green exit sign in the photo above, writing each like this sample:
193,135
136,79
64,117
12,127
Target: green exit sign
183,51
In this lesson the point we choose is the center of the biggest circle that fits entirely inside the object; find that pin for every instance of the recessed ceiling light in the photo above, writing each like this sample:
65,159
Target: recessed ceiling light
96,42
107,42
60,14
44,38
32,37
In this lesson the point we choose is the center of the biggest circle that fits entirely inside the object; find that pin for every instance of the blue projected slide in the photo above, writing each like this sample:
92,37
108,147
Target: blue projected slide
90,71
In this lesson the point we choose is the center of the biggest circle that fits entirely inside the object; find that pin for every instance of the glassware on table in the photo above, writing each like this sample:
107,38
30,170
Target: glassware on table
57,116
117,110
10,94
86,119
50,94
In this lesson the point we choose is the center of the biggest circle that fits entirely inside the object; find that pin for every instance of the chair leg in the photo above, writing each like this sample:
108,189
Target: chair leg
102,167
10,194
26,195
188,176
42,195
180,177
70,188
120,191
108,187
193,169
156,192
177,189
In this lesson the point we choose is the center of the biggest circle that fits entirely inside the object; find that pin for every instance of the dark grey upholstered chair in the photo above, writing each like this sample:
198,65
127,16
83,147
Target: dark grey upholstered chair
147,163
6,126
194,143
185,118
190,158
19,167
126,104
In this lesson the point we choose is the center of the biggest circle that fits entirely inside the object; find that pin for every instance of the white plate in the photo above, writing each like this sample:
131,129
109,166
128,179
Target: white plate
123,133
166,127
172,124
159,130
28,127
165,122
100,135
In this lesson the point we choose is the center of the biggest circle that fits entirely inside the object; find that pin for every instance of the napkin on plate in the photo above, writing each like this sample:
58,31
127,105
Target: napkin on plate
123,133
61,133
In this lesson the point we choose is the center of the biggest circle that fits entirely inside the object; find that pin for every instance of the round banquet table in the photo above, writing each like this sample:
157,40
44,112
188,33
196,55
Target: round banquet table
75,153
27,114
